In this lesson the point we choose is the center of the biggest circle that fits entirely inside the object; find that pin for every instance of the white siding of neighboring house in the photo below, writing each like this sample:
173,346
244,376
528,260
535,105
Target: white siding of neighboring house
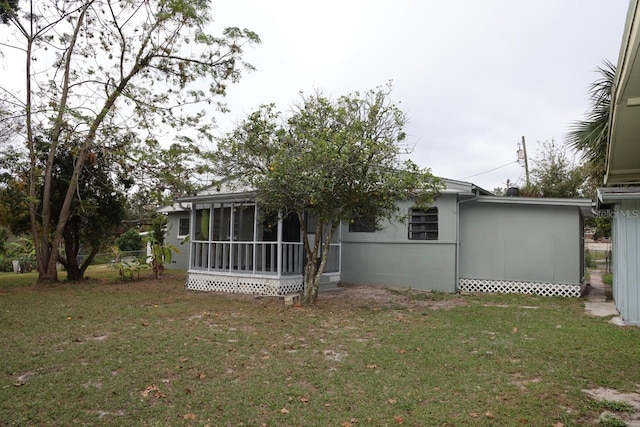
179,260
626,274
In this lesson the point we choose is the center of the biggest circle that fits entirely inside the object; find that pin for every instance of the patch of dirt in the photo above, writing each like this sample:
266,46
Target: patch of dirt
347,296
632,419
523,383
388,297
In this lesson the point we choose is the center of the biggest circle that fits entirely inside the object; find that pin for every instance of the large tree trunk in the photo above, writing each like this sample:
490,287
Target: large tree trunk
311,285
316,260
47,250
75,270
49,274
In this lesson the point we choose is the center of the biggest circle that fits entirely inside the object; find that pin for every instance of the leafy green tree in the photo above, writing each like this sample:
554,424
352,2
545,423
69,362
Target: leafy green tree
159,228
4,239
553,174
130,240
161,175
590,136
14,210
8,9
95,214
331,159
99,68
602,225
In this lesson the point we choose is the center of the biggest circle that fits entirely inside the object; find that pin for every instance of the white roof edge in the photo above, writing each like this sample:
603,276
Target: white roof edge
215,193
176,207
616,194
220,196
470,186
582,203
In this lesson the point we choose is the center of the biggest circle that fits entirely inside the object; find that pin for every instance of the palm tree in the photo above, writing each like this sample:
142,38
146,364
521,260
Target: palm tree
591,135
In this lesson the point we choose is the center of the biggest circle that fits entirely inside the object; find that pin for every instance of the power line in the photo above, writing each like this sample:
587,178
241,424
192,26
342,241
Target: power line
490,170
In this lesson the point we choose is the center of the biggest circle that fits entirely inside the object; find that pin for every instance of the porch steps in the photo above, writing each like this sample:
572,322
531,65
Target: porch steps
296,297
292,299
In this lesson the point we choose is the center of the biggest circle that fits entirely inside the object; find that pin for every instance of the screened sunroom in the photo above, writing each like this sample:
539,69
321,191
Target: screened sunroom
234,247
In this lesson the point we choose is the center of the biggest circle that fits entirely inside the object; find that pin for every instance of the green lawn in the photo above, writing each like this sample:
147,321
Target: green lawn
151,353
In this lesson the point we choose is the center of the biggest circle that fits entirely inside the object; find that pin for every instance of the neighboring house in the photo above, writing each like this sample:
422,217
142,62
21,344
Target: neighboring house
469,240
177,233
622,198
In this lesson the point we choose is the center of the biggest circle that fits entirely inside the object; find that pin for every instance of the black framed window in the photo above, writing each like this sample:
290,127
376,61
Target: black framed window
183,227
423,224
362,224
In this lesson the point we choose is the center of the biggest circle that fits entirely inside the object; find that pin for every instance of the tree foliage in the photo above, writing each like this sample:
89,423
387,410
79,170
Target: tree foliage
331,159
8,10
129,241
98,70
95,214
96,211
590,136
554,174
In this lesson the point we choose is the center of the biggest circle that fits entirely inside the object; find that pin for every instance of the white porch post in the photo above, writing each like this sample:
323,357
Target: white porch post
232,218
192,233
210,236
255,236
340,248
279,246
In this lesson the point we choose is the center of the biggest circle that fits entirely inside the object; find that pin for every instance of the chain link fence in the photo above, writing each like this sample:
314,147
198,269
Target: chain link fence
598,255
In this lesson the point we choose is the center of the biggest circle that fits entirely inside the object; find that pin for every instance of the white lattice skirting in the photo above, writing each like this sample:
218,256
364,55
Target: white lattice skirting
507,286
244,285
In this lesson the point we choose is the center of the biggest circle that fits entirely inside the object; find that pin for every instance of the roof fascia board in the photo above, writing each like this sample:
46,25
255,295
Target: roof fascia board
581,203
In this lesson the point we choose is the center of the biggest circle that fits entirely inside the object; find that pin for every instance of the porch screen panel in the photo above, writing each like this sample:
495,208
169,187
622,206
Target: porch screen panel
244,217
221,222
200,249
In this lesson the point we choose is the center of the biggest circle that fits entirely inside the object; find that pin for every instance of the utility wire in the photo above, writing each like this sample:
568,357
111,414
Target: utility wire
490,170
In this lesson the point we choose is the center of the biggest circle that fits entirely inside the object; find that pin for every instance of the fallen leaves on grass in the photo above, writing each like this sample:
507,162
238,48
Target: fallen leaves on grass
284,411
371,366
398,419
489,415
189,416
152,390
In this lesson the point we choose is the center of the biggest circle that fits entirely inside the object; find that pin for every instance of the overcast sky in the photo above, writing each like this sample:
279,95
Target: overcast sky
473,76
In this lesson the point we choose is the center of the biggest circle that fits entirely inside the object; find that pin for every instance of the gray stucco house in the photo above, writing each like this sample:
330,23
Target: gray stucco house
469,240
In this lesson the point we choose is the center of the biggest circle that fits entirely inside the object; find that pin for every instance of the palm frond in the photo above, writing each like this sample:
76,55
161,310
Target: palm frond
590,136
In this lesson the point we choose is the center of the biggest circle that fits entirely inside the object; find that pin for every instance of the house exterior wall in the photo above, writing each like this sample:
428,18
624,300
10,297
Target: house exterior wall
179,260
388,257
521,243
625,229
